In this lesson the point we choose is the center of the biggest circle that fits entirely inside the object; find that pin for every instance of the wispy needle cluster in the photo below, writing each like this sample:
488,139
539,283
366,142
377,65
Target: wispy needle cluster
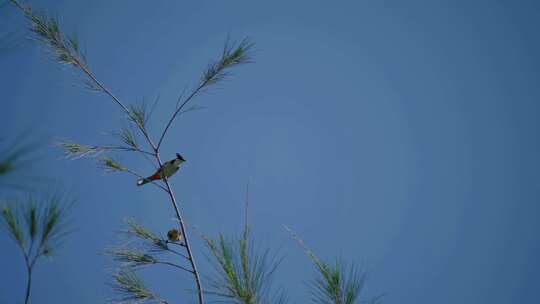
335,283
38,227
242,274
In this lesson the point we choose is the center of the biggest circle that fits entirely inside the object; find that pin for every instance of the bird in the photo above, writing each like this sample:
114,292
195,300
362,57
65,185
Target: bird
167,170
174,235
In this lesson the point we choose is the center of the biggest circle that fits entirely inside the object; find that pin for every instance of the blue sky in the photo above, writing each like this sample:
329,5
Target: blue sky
399,135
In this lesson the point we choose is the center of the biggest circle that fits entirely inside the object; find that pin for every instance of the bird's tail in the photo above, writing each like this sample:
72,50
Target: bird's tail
143,181
149,179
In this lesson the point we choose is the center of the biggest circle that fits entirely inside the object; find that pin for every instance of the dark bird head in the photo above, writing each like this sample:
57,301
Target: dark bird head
180,157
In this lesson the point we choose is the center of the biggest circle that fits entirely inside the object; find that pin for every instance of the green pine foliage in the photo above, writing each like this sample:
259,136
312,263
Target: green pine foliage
145,248
146,237
111,165
76,151
38,227
335,283
234,54
132,257
45,29
242,274
127,137
131,289
16,155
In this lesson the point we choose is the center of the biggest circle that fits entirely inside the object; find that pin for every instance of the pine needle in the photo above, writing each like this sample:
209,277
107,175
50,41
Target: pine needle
234,54
138,114
139,231
132,289
110,165
15,154
40,225
127,137
132,257
243,274
334,285
47,30
11,219
75,151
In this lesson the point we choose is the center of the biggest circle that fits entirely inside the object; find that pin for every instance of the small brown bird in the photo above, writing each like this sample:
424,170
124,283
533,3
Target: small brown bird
174,235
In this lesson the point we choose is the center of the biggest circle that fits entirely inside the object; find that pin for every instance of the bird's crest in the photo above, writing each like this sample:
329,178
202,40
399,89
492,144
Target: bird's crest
180,157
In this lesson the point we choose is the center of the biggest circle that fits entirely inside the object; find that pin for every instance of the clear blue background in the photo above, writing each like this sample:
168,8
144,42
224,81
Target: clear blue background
402,135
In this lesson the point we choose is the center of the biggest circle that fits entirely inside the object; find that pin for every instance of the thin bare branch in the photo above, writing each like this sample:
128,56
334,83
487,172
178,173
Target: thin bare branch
177,253
232,55
174,265
117,101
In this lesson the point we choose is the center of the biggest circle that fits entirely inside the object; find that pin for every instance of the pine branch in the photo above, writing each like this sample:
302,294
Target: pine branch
139,231
76,151
233,55
37,227
134,257
127,137
334,285
111,165
139,115
243,275
130,257
12,222
132,289
156,243
15,155
46,30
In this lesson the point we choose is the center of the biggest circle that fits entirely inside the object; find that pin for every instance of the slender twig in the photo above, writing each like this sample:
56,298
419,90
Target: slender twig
216,71
29,263
302,244
246,215
174,265
150,160
19,6
122,148
29,278
145,154
178,253
117,101
173,117
177,244
180,97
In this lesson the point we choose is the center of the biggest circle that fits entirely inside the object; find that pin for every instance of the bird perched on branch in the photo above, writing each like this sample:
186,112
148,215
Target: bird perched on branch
167,170
174,235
